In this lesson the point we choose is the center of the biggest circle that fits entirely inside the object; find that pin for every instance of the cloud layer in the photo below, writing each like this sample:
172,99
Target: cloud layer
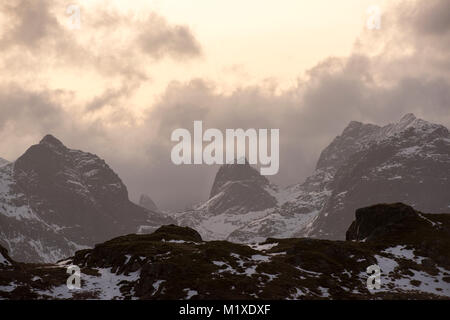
404,67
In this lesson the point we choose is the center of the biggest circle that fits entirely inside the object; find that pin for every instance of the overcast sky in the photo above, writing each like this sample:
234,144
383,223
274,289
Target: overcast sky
136,70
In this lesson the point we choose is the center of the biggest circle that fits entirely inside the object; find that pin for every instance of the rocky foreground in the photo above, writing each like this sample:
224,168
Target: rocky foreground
411,248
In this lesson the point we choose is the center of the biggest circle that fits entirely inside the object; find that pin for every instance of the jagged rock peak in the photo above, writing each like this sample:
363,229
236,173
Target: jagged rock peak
408,118
51,141
146,202
358,129
236,172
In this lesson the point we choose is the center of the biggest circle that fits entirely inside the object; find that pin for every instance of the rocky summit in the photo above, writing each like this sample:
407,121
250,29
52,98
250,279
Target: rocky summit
55,200
146,202
238,192
411,248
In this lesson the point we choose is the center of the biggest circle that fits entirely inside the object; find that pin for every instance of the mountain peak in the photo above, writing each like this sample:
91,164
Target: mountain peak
239,188
408,118
354,124
51,141
356,128
146,202
410,122
235,172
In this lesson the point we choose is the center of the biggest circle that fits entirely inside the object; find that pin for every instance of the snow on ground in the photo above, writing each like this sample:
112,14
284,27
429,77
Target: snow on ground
324,292
386,265
258,257
297,295
8,288
190,293
431,222
127,258
3,261
310,273
426,283
397,280
157,284
106,285
248,270
401,252
176,241
263,247
301,292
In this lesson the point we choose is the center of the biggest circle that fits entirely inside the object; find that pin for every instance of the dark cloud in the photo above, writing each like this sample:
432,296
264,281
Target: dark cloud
28,23
111,97
433,17
28,111
39,27
158,39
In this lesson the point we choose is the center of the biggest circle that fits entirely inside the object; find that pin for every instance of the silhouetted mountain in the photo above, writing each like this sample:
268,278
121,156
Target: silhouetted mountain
54,200
412,250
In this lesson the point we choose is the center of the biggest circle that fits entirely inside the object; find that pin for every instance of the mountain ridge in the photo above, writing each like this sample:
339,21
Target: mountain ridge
321,206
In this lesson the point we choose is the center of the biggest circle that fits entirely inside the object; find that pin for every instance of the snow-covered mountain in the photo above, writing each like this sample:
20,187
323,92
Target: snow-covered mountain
54,200
239,196
407,161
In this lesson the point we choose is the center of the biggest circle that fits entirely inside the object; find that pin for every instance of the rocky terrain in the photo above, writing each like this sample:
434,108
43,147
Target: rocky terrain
407,161
55,200
411,248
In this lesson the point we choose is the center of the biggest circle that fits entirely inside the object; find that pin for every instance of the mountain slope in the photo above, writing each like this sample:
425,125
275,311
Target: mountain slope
54,200
175,263
408,161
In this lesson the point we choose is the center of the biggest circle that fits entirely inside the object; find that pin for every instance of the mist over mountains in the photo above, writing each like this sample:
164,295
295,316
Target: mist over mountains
55,200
